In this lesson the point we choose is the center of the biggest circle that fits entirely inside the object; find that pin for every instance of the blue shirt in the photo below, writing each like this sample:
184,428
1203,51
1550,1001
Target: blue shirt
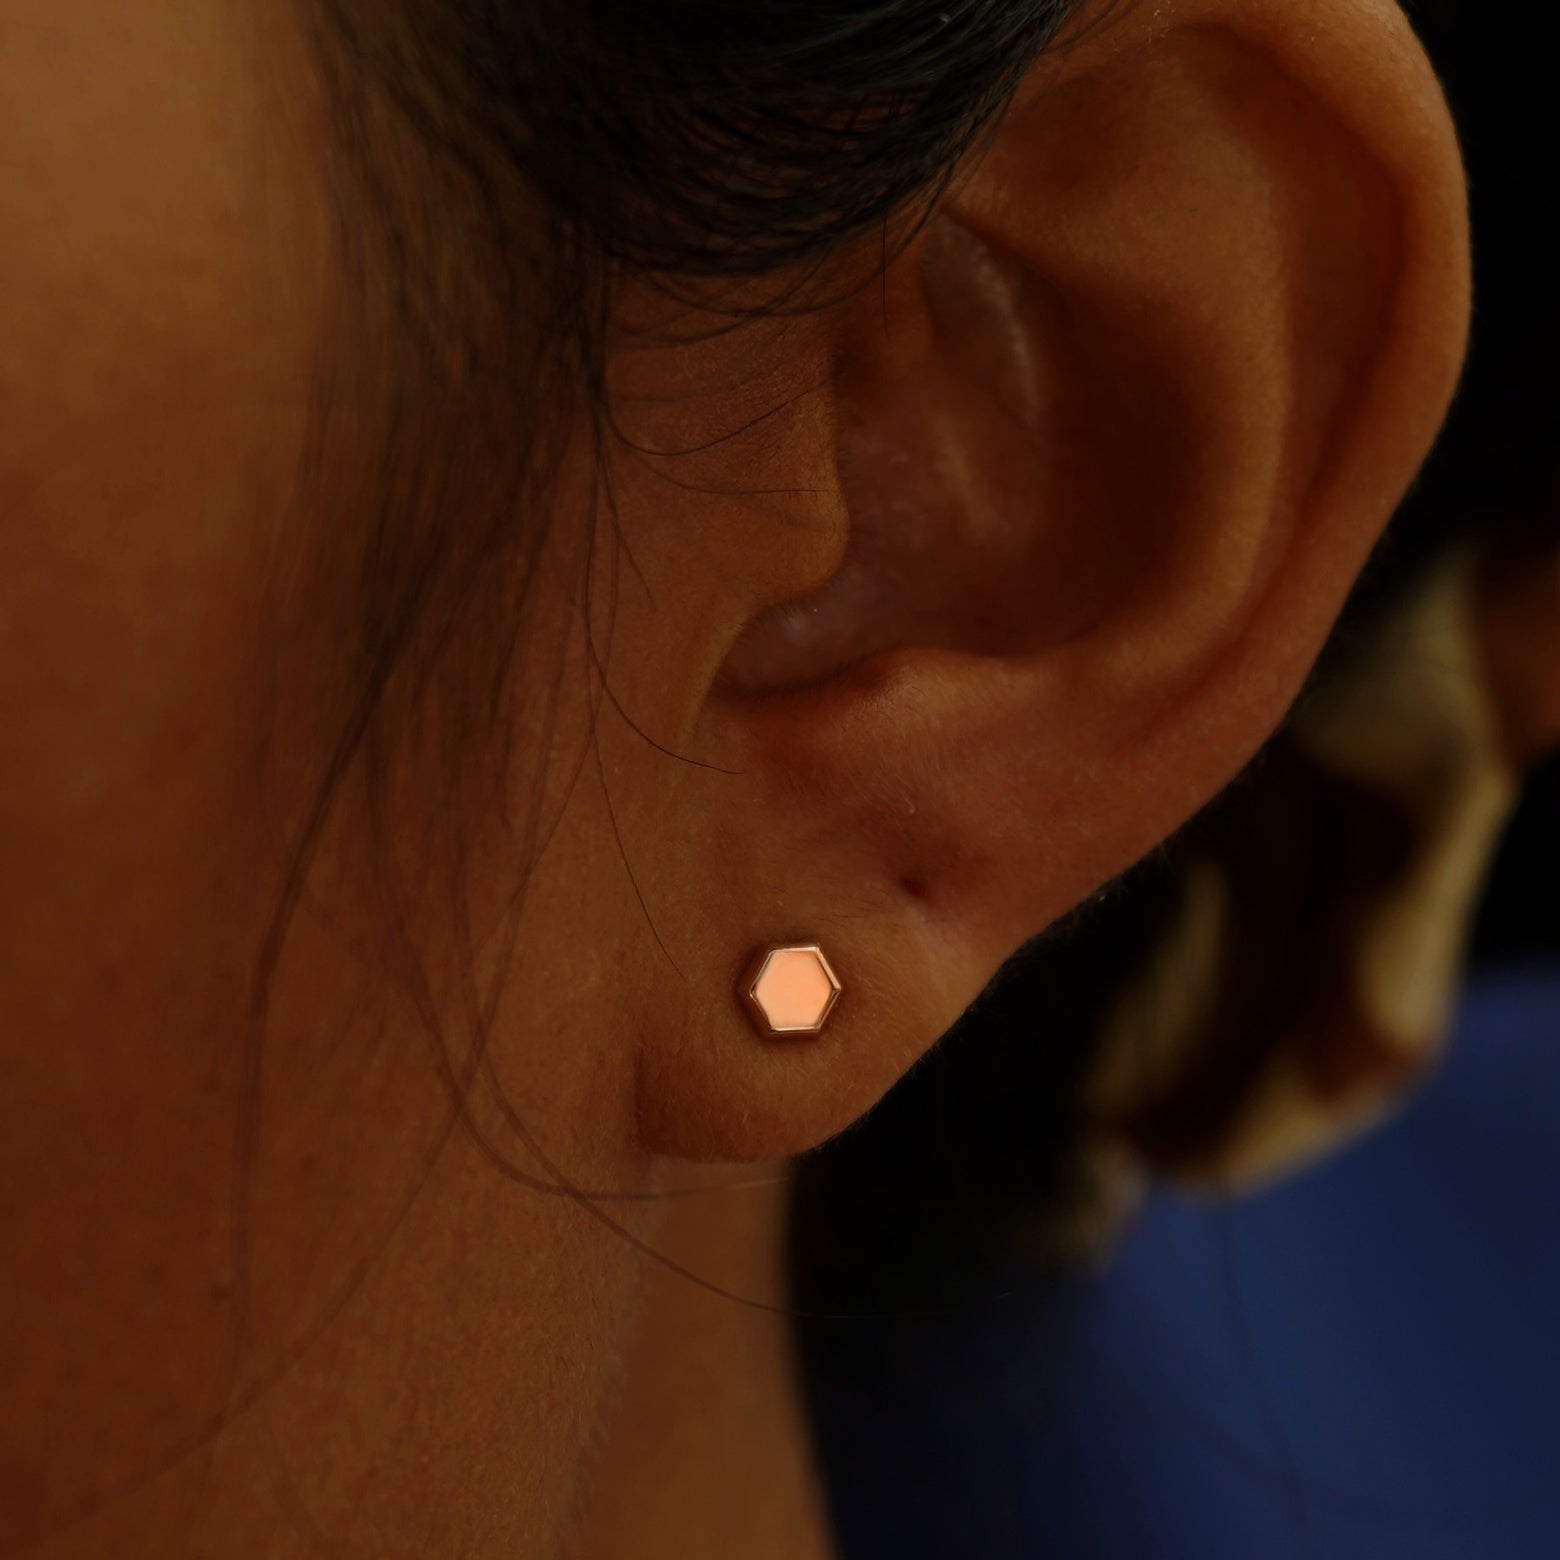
1360,1364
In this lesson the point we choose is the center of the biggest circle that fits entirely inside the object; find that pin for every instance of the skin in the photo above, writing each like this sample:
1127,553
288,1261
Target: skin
1075,496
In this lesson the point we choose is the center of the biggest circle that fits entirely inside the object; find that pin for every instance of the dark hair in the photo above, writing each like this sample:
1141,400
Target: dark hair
498,168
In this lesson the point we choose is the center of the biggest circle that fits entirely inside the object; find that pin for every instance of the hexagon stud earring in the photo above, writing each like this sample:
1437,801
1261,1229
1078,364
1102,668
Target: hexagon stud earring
789,989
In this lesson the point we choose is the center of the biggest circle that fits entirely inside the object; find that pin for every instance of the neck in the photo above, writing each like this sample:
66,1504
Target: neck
706,1451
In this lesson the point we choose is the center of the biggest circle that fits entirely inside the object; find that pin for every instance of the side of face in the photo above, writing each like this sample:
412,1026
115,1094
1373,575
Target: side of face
973,586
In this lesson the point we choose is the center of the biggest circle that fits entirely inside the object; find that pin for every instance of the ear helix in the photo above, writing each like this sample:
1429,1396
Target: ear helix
789,989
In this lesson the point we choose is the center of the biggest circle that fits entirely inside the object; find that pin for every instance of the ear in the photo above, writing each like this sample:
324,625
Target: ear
1096,467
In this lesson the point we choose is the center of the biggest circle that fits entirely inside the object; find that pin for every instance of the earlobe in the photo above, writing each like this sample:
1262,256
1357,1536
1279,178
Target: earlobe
1114,440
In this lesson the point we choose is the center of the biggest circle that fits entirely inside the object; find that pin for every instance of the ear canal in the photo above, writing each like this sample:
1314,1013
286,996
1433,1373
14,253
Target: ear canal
948,426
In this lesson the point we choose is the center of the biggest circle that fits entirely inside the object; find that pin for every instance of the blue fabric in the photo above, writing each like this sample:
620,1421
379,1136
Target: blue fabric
1361,1364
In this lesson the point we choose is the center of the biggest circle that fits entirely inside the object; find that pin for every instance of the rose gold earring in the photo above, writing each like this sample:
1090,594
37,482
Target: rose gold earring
789,989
